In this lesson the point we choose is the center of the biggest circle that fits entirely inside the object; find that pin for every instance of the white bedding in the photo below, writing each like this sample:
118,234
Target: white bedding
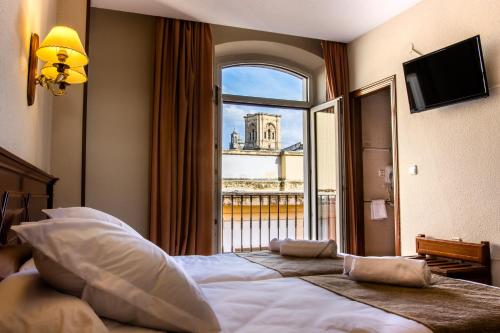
290,305
293,305
224,267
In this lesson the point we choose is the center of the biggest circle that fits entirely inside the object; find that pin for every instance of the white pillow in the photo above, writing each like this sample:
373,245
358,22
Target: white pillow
127,278
87,213
29,305
58,276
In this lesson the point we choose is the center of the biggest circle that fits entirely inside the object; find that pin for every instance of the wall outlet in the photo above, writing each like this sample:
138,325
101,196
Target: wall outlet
413,169
456,239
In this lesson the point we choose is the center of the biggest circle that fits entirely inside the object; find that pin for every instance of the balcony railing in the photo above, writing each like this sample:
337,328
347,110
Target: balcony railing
251,220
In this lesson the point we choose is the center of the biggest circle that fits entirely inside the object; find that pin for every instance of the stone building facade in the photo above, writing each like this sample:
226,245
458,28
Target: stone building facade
259,163
262,132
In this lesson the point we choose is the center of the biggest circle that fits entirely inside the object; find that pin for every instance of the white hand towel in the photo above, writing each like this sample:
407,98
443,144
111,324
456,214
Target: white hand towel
309,248
274,244
378,210
391,270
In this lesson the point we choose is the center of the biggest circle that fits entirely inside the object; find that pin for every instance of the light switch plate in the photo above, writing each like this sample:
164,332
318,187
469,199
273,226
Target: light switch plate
413,169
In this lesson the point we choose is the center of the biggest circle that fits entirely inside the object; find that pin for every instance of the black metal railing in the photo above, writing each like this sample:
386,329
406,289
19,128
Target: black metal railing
251,220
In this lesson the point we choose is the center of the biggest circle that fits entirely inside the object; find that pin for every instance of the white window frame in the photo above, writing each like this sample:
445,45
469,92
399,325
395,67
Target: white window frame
222,99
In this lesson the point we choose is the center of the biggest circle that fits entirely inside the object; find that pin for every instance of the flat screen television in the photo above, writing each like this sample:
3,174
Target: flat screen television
450,75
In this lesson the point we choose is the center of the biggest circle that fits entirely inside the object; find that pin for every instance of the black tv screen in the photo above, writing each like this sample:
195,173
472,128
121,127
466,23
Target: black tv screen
453,74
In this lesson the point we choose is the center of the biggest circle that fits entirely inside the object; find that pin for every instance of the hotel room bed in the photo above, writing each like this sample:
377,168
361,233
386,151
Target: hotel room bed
334,303
261,265
268,305
315,303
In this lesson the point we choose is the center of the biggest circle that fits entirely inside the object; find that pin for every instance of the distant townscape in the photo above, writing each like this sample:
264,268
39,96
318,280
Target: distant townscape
257,163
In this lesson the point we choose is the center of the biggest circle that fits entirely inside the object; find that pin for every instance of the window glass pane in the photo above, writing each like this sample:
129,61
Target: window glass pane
262,176
260,81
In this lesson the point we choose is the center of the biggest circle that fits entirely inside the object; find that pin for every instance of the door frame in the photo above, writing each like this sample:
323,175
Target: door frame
355,98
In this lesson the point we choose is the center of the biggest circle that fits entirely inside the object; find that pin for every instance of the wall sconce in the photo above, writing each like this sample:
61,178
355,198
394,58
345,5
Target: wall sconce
64,58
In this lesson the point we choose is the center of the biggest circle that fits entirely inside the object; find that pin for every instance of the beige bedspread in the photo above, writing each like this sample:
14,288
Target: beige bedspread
293,266
449,305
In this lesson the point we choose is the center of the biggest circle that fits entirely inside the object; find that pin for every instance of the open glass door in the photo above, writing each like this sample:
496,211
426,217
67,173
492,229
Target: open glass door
327,181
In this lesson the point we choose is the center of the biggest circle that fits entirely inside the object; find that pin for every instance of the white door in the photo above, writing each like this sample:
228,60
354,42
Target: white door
327,184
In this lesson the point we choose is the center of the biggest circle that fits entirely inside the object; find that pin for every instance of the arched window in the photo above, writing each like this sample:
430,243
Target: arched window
264,81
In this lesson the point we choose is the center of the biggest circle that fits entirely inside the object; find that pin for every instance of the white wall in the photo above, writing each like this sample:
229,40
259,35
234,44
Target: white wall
24,131
457,190
250,166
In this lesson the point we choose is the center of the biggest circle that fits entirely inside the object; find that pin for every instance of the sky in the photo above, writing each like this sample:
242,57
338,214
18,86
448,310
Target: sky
261,82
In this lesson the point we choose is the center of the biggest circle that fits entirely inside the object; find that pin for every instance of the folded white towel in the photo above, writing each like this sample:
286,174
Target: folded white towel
391,270
378,210
309,248
274,244
348,258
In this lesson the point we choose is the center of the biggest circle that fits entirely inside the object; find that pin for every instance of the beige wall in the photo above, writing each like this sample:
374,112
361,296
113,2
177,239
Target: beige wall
119,115
292,166
24,131
67,119
456,147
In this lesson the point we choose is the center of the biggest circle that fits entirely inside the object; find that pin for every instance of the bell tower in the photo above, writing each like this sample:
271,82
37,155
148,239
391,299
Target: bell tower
262,132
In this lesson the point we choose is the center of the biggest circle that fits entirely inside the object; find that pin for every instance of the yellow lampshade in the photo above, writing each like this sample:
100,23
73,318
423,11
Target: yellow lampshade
63,40
76,75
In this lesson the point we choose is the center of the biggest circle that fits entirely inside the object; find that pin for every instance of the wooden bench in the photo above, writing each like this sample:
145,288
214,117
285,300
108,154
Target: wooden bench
461,260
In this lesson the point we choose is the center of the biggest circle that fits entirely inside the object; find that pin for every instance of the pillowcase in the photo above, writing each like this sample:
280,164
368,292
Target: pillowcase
87,213
53,273
28,305
57,276
126,278
391,270
12,257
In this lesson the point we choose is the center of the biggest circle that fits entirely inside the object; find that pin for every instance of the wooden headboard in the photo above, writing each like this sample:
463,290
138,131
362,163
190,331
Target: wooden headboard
24,191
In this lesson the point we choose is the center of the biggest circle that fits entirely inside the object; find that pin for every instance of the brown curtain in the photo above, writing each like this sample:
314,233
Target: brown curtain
182,183
337,75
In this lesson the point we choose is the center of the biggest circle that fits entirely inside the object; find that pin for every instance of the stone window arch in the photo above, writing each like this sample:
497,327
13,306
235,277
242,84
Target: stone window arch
270,130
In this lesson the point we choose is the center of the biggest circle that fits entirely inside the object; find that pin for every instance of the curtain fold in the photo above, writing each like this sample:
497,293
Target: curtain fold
182,157
337,75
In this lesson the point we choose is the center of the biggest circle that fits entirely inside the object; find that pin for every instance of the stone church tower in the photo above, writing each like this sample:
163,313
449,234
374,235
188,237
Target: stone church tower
235,141
262,132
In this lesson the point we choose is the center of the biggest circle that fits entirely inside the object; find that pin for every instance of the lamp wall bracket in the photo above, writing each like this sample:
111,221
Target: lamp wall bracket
32,69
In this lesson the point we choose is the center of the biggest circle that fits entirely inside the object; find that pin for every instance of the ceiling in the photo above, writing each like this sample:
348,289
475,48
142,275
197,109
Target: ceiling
336,20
